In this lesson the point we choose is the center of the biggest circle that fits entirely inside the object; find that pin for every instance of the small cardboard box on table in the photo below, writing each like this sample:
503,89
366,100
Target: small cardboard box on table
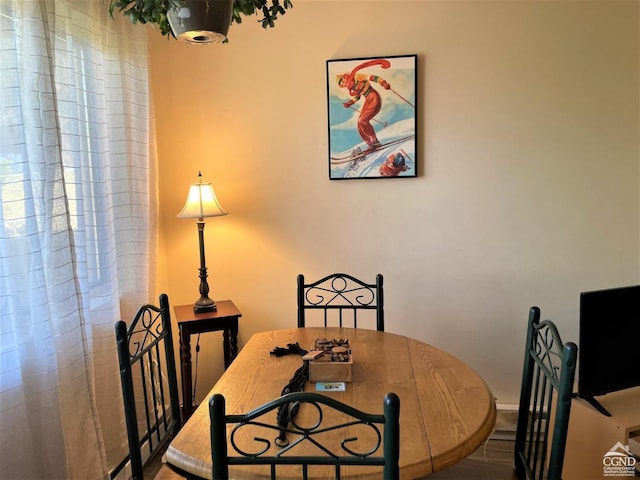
330,361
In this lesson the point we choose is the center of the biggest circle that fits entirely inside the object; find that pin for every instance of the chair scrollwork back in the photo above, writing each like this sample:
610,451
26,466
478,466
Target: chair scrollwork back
343,296
382,432
547,383
149,385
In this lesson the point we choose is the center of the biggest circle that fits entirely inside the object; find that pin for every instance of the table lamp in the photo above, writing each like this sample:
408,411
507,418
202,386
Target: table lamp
202,203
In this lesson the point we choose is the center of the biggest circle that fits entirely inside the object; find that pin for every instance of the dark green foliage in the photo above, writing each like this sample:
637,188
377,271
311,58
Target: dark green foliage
155,11
145,11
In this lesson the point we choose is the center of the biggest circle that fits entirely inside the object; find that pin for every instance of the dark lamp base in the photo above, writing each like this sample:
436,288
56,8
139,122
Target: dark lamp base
204,308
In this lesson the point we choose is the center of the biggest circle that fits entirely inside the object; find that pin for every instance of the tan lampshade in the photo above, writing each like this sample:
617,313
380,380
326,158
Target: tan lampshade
201,202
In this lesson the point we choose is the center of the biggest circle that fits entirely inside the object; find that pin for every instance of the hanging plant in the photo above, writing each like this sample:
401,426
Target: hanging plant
154,12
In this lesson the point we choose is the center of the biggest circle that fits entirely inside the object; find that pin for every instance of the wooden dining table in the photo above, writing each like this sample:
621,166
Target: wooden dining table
446,409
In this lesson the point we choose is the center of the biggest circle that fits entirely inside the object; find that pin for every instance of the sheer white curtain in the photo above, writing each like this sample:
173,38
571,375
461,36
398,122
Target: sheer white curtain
77,230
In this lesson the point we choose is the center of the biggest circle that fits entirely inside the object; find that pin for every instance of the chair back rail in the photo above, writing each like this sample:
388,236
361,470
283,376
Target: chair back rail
384,452
343,295
149,385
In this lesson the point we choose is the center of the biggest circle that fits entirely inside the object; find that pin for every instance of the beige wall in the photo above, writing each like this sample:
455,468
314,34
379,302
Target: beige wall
528,187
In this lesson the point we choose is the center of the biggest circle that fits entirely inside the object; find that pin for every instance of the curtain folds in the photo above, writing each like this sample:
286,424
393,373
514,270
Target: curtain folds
77,231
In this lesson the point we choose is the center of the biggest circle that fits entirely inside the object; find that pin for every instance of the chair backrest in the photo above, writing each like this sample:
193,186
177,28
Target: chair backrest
149,386
284,449
343,295
547,380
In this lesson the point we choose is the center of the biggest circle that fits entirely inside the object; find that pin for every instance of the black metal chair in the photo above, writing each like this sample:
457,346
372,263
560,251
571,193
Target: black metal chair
543,412
280,451
149,385
342,294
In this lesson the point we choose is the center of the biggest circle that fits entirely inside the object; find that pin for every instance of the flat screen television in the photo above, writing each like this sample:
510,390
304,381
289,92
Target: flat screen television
609,350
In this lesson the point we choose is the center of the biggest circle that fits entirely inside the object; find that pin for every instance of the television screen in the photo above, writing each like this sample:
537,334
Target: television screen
609,350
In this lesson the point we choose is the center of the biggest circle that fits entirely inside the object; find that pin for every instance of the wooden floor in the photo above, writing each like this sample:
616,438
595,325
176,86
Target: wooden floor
151,470
492,461
495,451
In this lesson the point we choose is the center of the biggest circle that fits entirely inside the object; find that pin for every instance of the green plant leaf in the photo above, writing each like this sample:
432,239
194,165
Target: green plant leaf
154,12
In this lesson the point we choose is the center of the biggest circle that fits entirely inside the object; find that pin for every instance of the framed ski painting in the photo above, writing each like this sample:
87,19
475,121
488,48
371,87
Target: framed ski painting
372,117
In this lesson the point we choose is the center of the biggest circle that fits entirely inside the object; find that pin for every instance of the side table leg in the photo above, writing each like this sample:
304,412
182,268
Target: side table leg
185,364
226,348
234,341
230,343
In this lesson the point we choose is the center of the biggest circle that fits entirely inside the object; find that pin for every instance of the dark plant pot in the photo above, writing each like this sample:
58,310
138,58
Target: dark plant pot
201,21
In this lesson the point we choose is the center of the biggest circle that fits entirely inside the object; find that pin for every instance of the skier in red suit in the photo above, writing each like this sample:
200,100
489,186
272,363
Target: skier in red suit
359,85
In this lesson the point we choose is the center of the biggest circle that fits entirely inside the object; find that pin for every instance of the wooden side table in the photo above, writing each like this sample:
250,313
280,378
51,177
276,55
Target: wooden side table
225,319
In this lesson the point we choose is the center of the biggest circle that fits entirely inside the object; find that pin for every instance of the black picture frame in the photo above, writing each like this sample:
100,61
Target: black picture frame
371,104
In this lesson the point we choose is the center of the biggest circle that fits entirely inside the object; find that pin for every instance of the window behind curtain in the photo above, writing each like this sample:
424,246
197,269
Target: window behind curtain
77,223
